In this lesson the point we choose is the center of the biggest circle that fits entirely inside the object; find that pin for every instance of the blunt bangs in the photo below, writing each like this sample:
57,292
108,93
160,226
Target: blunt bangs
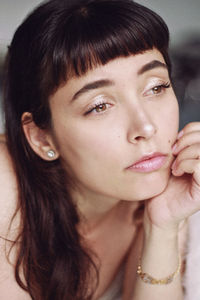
100,31
61,40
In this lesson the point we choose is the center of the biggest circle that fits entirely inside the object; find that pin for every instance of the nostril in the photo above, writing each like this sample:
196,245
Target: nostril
137,138
144,132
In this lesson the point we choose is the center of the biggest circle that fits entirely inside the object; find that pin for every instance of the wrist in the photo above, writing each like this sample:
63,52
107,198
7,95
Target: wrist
164,229
162,281
160,254
156,232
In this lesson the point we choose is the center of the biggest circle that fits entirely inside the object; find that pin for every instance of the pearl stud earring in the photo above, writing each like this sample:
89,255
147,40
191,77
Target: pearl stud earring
51,153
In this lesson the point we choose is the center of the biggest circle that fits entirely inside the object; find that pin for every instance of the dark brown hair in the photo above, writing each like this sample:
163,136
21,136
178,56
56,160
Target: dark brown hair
58,40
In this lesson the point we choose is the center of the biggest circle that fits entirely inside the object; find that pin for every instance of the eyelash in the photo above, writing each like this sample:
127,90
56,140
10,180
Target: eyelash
162,86
95,106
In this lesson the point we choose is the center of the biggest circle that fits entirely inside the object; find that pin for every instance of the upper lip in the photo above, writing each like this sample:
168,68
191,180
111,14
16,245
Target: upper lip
147,156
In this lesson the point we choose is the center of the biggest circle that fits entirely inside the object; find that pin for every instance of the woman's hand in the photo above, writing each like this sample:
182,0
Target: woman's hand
181,198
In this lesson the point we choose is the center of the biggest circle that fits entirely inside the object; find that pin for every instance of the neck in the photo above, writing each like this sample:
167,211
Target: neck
95,209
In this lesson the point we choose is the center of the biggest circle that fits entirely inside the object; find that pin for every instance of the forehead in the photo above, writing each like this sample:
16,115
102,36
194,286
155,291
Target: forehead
135,61
115,70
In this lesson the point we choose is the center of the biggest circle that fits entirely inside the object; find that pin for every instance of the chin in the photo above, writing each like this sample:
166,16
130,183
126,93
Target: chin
153,186
155,191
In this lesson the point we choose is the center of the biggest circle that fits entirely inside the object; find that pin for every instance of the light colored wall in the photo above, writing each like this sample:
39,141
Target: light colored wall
11,15
181,16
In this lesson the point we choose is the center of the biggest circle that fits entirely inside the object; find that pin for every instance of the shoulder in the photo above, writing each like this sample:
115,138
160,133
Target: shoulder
9,227
7,174
8,190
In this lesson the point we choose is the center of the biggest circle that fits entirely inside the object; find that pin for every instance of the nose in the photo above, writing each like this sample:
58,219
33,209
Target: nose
141,127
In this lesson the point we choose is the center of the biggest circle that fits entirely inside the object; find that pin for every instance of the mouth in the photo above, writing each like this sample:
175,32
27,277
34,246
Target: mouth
149,163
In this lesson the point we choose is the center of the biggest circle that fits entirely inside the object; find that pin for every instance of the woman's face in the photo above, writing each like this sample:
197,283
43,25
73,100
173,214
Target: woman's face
109,119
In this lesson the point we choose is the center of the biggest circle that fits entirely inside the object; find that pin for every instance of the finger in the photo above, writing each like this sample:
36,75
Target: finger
191,152
193,126
186,140
188,166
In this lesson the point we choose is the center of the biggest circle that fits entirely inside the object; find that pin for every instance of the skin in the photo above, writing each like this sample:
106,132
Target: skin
139,117
134,120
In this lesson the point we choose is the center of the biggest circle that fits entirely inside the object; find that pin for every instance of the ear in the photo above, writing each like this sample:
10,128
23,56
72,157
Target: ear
39,139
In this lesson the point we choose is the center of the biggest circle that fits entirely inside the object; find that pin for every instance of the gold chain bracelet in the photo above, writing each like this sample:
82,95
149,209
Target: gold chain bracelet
151,280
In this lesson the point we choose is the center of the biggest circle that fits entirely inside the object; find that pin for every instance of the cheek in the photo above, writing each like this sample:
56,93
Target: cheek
169,120
84,144
173,116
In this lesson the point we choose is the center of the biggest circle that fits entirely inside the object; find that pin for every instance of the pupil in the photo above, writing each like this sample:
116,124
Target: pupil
157,89
100,107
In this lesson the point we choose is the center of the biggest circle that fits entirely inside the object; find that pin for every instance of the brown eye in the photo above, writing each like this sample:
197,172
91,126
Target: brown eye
157,89
100,108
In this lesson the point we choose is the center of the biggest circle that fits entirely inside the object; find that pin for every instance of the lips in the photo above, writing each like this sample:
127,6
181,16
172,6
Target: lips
149,163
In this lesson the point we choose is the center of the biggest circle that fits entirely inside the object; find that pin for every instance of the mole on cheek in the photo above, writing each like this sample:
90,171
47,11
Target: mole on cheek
169,141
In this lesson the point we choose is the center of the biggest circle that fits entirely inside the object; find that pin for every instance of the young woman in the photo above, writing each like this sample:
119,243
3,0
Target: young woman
96,182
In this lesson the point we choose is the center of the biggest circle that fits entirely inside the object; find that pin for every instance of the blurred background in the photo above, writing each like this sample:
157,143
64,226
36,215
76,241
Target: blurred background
183,20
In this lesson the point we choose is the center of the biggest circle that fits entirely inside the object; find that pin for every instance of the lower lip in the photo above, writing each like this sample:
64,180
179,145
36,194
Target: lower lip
149,165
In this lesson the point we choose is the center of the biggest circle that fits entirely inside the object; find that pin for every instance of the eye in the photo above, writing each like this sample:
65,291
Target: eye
98,108
157,89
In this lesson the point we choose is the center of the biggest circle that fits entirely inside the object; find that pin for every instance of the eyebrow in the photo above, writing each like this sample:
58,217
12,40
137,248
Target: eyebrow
152,65
106,82
92,86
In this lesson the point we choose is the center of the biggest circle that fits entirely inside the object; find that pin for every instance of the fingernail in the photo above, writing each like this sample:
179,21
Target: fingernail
176,172
180,134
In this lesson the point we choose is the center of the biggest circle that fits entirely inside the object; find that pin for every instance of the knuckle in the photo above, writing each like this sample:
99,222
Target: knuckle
188,127
192,126
197,168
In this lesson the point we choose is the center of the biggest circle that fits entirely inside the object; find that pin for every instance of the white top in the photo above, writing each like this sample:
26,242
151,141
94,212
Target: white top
192,272
114,292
